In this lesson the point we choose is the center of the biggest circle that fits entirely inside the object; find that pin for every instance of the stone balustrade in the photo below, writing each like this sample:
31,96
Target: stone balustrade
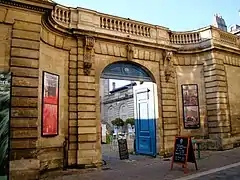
80,18
185,37
125,26
61,14
227,37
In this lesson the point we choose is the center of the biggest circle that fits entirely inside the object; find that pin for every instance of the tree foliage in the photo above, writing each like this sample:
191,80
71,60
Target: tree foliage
130,121
118,122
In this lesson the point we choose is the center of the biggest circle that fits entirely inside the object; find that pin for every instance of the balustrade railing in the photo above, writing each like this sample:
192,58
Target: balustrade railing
61,14
185,38
124,26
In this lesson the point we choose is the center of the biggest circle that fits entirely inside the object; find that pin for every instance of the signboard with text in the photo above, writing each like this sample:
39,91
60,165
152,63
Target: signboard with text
183,152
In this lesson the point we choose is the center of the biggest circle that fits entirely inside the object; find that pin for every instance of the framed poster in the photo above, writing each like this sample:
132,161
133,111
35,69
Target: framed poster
191,117
5,112
50,104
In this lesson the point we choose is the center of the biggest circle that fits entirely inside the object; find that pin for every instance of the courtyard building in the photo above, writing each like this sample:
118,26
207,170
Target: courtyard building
58,57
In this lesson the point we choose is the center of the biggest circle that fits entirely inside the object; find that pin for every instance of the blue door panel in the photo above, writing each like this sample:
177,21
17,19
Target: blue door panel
146,137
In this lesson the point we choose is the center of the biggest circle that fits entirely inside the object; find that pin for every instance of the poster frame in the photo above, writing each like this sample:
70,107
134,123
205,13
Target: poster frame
42,112
183,106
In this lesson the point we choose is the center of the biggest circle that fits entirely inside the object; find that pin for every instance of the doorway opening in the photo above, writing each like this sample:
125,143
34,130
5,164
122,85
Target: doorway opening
129,109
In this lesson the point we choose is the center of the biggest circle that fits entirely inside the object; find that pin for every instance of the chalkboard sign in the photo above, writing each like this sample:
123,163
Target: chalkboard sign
123,149
183,151
181,147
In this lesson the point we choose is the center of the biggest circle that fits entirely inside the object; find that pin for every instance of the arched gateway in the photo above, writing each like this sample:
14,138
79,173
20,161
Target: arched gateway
145,104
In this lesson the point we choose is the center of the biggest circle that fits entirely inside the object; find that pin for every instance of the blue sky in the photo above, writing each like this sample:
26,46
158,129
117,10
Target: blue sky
177,15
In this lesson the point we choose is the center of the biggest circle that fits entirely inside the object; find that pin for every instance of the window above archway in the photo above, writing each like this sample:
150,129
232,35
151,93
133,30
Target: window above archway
126,71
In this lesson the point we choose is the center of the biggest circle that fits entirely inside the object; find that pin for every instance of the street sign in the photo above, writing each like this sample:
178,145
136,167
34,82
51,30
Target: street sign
123,149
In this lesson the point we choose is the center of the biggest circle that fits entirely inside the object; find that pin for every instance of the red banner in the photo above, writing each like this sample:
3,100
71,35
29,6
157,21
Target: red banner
50,104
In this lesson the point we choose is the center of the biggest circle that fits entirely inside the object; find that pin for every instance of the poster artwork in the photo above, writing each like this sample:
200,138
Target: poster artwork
50,104
5,99
190,106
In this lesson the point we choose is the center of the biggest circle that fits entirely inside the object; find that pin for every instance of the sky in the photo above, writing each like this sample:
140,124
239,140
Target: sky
177,15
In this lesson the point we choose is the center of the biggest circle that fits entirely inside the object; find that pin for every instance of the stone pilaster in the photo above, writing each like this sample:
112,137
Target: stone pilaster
72,108
169,103
24,65
88,133
216,99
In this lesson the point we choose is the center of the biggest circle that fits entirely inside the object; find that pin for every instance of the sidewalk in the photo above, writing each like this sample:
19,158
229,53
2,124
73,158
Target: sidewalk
141,168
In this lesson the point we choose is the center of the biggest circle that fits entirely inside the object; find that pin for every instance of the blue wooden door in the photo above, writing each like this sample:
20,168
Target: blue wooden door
145,108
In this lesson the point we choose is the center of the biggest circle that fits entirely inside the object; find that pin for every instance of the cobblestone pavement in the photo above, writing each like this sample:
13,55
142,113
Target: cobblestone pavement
142,168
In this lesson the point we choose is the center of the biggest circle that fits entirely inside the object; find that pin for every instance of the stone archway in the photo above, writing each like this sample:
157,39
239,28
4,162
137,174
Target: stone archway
134,72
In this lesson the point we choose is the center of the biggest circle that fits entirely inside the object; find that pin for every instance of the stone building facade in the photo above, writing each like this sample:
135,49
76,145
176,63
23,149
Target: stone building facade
77,44
117,103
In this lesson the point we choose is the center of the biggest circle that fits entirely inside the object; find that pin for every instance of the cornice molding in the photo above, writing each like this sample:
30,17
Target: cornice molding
28,4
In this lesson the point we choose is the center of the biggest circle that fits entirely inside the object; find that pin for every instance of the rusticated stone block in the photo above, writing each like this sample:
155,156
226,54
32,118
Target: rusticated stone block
170,126
87,93
72,130
27,72
216,95
87,122
87,145
72,72
169,108
27,53
26,35
86,86
89,79
22,43
169,120
72,100
24,133
169,114
20,81
72,92
72,78
86,107
22,25
87,153
169,102
168,97
24,91
24,101
23,143
23,122
72,108
87,130
86,100
87,138
216,83
23,62
72,115
24,112
72,85
87,115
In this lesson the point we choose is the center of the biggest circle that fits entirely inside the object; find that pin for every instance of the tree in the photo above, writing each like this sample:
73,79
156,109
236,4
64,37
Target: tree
118,122
130,121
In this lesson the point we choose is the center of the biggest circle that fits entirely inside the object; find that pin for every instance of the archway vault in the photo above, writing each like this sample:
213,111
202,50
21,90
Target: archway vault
127,71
